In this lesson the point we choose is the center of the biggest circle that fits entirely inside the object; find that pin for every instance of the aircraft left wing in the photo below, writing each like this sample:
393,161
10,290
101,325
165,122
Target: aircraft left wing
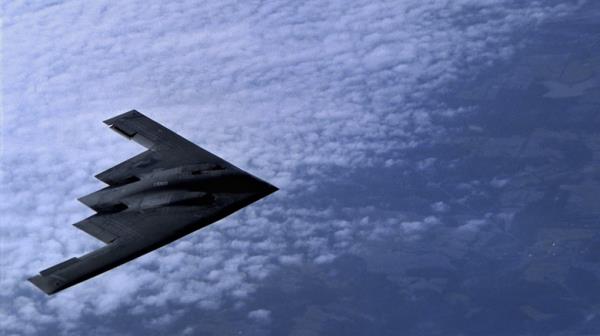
128,235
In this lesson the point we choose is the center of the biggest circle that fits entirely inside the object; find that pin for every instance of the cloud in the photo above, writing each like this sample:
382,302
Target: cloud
324,259
413,229
440,207
473,225
499,182
260,315
294,93
294,259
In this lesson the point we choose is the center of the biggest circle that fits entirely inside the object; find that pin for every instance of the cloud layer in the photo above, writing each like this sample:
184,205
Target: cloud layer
291,91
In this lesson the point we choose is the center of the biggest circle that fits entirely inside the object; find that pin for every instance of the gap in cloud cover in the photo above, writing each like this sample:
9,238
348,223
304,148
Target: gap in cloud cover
294,92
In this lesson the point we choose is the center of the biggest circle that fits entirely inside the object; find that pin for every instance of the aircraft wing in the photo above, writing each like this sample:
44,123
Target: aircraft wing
166,149
128,235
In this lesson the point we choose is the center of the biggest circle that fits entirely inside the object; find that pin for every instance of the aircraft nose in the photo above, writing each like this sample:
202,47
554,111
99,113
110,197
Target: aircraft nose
270,188
266,187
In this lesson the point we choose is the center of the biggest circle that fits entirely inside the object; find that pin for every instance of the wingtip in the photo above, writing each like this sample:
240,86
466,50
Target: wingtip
127,114
45,284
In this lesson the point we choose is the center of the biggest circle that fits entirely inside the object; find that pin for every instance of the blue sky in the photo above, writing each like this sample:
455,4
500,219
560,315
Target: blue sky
310,96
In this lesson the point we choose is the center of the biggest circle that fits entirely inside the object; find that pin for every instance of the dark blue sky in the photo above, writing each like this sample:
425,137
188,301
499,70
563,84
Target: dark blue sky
438,164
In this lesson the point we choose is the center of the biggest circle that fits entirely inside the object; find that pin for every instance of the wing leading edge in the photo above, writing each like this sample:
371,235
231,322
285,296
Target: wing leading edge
133,221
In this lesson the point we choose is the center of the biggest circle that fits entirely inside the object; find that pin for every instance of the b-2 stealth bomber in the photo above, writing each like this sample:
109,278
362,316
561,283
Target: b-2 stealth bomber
170,190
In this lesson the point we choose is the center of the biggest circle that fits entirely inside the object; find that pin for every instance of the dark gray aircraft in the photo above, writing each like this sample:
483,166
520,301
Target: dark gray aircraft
172,189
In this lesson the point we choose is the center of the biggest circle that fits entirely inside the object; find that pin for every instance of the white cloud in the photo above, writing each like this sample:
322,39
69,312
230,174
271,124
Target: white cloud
499,182
260,315
293,259
324,259
440,207
289,93
473,225
412,229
